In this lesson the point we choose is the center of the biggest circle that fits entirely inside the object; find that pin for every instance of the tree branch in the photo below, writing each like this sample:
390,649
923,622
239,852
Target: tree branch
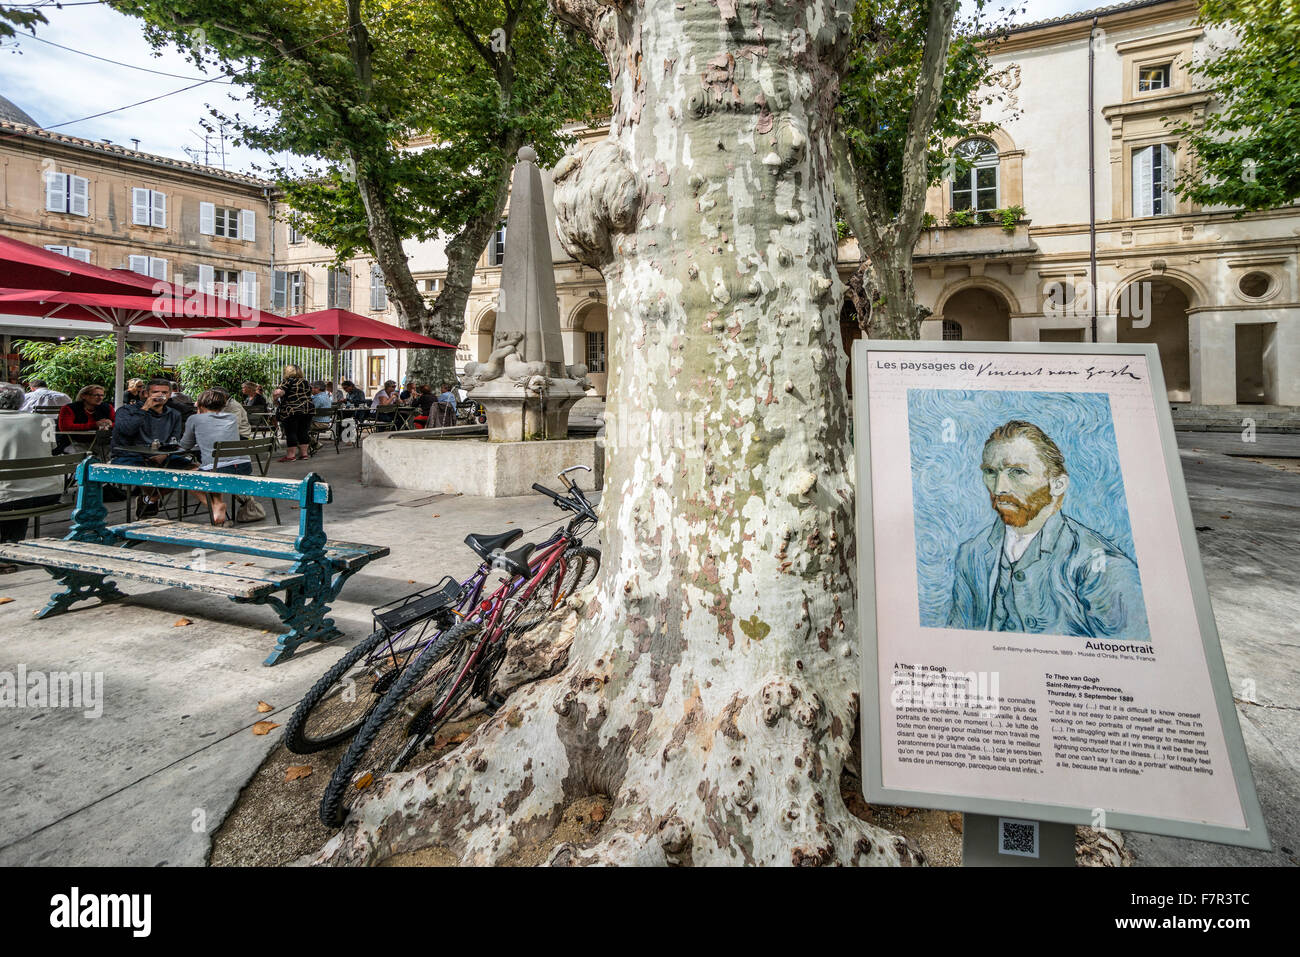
925,107
483,50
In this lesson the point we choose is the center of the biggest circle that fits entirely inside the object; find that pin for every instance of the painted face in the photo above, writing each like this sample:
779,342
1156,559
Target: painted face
1017,480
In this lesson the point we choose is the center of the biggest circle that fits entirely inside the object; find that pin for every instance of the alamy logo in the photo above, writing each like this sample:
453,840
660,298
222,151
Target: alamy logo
55,689
103,910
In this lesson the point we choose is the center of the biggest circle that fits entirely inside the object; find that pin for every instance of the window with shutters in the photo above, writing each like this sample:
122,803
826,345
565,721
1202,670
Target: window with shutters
73,252
148,266
378,292
65,193
225,283
497,247
596,351
227,222
338,293
977,187
287,292
148,208
296,237
1153,181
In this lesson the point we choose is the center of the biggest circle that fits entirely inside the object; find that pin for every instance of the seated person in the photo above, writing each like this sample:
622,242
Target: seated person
352,394
140,426
424,402
253,400
22,436
87,414
448,399
41,395
135,392
385,402
209,425
323,401
241,416
181,402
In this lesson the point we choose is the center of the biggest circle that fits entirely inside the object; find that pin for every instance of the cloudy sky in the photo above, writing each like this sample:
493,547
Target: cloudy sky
59,88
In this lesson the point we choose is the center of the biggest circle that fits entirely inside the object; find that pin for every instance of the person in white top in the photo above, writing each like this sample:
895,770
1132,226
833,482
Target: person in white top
42,395
23,435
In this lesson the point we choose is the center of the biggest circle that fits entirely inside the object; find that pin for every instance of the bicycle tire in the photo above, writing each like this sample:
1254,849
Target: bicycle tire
582,563
298,738
334,803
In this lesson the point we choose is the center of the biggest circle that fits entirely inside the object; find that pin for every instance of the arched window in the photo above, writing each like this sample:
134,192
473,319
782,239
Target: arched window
951,330
975,182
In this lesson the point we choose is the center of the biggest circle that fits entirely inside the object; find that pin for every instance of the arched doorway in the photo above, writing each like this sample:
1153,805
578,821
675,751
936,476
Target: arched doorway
593,323
1155,311
486,327
977,314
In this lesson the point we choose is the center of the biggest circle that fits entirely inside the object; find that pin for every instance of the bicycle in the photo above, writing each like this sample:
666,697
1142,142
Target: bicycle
461,661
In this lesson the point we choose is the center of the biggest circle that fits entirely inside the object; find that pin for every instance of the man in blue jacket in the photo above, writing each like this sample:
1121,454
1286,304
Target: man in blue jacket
142,425
1037,570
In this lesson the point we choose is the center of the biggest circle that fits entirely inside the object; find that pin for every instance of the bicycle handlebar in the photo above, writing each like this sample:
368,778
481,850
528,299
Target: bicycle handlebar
545,491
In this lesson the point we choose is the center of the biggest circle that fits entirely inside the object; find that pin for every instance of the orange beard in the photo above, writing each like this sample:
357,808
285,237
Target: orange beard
1019,512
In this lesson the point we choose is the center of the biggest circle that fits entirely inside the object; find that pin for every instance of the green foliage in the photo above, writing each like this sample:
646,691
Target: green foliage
877,90
226,370
25,19
1246,150
429,74
86,360
1006,218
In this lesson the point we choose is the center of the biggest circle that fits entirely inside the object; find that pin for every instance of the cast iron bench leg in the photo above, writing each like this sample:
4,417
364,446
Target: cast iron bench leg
304,616
79,586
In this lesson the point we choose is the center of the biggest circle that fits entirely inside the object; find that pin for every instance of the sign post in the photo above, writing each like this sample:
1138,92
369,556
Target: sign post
1039,649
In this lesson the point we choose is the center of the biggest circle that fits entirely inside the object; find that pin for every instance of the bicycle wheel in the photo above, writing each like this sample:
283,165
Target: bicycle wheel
581,565
424,682
339,703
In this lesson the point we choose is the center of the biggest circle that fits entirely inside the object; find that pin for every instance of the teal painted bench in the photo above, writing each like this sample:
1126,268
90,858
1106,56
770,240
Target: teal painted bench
93,554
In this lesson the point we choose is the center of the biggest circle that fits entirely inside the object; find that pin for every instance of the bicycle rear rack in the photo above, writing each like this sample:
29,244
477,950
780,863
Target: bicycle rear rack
417,606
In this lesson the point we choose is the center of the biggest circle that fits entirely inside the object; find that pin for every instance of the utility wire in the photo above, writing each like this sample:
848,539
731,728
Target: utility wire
129,66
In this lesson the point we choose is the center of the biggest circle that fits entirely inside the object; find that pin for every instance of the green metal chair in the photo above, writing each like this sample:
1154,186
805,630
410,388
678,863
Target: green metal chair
45,466
261,451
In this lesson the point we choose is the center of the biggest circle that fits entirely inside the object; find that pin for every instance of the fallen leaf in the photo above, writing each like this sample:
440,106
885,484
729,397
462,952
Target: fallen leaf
250,563
598,814
904,811
954,821
436,515
263,707
5,601
1225,516
295,771
410,581
364,781
264,727
181,622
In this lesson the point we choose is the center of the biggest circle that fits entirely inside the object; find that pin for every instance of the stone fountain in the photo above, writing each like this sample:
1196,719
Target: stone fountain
525,386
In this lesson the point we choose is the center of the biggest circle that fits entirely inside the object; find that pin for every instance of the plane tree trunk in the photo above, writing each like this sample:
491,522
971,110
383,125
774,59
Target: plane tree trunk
711,688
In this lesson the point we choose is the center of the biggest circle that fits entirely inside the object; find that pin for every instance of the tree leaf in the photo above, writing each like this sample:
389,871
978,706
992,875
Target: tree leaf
295,771
263,707
264,727
181,623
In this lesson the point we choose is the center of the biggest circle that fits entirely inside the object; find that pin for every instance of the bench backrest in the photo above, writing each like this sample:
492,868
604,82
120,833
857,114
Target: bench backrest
42,466
89,519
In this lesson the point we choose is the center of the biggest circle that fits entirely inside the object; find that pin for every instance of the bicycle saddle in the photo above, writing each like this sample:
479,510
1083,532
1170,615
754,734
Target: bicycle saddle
515,562
484,545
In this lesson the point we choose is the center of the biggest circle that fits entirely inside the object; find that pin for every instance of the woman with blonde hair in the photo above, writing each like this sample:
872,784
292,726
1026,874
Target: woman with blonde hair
294,410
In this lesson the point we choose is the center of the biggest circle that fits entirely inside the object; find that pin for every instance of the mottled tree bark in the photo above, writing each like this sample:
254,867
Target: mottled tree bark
711,688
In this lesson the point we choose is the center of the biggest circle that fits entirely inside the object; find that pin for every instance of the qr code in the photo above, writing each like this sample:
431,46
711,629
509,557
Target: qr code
1017,837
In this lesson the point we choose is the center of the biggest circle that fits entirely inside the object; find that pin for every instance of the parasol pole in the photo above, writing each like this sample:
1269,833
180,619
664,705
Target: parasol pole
119,366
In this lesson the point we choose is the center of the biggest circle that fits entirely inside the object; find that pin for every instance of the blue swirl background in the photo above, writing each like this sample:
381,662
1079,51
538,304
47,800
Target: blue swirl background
949,499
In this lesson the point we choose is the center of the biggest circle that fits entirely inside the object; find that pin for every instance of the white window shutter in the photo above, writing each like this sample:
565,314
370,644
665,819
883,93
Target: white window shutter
56,192
1168,199
79,196
247,288
205,280
207,219
279,289
159,209
140,206
61,250
139,264
247,224
158,269
78,253
1142,186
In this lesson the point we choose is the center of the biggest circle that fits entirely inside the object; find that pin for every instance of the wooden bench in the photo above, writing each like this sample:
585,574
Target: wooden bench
94,553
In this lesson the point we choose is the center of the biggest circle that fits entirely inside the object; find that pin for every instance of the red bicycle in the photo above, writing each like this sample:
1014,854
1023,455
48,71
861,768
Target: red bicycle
461,662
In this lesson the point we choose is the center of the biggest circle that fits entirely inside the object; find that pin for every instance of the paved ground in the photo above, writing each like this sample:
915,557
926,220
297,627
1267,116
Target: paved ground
148,781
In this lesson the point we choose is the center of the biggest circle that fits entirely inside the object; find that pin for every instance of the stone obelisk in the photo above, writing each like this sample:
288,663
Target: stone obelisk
525,386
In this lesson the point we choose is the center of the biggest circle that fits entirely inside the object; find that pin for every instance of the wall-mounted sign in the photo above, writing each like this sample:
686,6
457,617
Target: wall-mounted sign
1037,637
